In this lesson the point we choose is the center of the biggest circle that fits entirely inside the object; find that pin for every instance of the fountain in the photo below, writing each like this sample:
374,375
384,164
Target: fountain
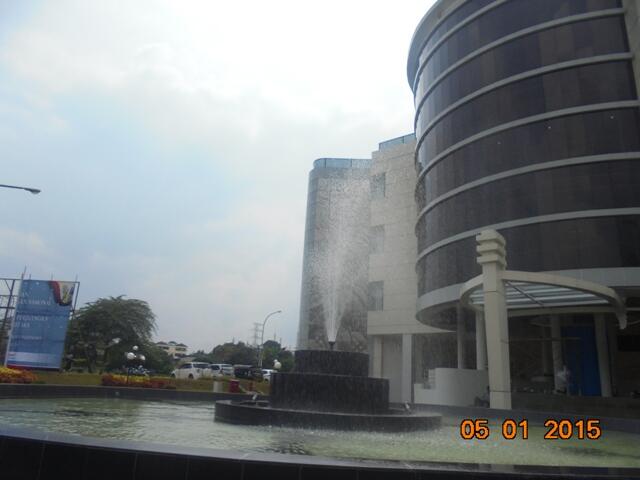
337,266
328,389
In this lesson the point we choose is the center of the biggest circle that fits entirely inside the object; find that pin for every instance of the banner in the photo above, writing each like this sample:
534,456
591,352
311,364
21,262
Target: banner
40,324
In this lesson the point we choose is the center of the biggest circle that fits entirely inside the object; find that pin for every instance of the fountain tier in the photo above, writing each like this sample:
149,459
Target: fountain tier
327,389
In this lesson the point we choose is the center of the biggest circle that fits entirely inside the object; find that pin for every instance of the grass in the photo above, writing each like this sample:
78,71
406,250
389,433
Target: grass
93,379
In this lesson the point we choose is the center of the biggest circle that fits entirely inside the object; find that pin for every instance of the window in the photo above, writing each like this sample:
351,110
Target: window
375,297
376,239
378,186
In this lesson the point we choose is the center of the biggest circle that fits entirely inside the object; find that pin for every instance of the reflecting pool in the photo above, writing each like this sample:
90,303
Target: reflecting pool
191,424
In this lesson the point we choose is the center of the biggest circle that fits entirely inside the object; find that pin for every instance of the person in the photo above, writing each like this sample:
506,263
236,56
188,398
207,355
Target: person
482,400
563,379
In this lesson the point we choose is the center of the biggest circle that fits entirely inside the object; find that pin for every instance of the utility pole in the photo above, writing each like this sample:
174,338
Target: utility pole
256,333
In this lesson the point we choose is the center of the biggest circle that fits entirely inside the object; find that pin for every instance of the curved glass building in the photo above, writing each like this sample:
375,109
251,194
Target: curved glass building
528,122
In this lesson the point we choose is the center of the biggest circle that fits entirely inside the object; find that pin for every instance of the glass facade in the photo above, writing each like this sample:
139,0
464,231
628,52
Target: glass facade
478,138
506,19
594,133
573,188
578,243
573,41
573,87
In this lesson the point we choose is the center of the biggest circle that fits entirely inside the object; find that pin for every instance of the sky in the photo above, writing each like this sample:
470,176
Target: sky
172,142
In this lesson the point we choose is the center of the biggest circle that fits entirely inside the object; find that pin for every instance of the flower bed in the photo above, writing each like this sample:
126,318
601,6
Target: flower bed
15,375
110,380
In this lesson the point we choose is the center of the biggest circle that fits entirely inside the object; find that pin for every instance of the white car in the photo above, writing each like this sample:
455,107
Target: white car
193,371
266,374
221,369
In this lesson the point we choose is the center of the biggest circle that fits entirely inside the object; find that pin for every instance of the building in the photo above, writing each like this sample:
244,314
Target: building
374,197
173,349
398,344
335,261
528,123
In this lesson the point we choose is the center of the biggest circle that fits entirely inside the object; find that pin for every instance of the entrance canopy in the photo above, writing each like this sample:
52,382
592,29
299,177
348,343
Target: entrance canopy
531,293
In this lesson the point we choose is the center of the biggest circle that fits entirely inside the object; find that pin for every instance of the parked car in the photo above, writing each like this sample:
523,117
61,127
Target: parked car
266,374
247,371
193,371
220,369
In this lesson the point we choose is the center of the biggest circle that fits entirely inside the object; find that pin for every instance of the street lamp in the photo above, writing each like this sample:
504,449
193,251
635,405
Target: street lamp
262,336
34,191
130,357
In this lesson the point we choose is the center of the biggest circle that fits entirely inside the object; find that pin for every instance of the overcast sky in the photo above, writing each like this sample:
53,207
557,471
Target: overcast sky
172,142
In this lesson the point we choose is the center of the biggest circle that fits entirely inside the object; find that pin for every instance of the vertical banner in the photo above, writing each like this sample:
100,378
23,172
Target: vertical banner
40,324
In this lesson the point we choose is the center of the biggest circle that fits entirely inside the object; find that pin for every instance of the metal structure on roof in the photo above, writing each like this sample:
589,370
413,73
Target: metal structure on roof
531,293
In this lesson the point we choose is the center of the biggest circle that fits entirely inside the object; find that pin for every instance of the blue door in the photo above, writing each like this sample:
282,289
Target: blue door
581,358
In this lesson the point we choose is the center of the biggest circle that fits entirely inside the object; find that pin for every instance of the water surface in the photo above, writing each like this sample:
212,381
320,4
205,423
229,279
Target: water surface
191,424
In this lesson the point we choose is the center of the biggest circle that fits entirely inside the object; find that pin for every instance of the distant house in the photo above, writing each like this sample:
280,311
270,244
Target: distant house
174,349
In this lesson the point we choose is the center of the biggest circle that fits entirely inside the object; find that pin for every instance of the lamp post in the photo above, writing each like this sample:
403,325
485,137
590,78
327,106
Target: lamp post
4,339
262,336
34,191
130,357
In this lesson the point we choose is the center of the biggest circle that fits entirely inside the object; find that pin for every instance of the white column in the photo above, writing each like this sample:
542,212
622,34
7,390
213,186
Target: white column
407,364
460,336
603,354
547,366
481,342
493,261
556,350
612,337
376,370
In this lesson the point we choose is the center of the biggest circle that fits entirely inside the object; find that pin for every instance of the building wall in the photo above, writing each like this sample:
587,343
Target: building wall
336,237
392,263
527,122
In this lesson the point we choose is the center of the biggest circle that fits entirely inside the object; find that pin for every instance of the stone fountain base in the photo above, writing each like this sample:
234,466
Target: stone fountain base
328,389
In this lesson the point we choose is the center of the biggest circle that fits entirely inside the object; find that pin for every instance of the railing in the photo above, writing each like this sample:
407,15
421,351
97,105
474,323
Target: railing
409,138
342,163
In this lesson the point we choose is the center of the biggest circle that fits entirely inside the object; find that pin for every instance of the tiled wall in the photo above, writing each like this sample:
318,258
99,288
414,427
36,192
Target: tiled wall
39,459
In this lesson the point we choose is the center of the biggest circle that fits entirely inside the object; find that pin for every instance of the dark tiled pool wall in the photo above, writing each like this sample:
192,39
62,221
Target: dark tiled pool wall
31,458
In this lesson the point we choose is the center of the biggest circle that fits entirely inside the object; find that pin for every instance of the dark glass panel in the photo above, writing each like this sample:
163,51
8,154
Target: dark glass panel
595,133
560,44
609,242
575,188
504,20
590,84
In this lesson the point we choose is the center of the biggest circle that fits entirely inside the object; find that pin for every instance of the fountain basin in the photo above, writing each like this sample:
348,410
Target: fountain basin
328,389
261,413
192,446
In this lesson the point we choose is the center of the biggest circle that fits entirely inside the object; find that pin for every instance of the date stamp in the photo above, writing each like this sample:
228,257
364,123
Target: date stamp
557,429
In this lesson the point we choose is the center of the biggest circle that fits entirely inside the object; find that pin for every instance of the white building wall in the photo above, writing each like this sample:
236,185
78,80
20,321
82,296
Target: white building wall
395,266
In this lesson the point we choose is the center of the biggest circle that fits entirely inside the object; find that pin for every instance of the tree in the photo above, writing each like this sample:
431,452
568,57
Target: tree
93,329
234,354
201,356
272,350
